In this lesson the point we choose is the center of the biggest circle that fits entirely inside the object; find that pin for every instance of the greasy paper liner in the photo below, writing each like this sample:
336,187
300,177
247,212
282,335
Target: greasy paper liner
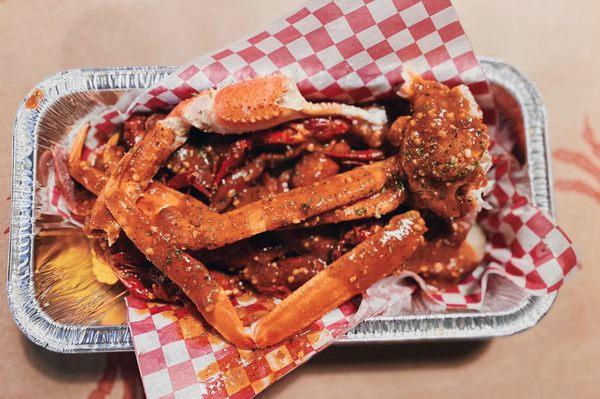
354,52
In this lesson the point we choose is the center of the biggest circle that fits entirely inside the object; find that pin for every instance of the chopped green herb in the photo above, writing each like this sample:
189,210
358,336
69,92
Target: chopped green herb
304,208
360,211
178,253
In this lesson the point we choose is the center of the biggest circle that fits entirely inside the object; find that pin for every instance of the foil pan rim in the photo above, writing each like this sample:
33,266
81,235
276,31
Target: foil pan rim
58,337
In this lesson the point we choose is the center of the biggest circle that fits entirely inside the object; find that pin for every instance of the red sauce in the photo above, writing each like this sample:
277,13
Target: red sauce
442,145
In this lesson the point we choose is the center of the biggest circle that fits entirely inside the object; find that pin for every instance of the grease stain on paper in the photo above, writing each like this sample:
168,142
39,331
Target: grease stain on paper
124,363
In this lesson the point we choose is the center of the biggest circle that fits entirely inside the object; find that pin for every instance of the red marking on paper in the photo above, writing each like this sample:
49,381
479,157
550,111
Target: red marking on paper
107,380
132,384
585,163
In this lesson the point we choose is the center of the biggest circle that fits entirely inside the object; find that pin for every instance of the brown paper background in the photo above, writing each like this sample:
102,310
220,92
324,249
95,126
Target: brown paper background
554,43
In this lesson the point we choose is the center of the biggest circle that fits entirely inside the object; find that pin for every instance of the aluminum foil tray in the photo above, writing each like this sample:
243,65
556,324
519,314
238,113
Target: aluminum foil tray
70,95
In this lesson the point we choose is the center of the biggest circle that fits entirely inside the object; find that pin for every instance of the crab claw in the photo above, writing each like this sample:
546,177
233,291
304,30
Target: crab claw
262,103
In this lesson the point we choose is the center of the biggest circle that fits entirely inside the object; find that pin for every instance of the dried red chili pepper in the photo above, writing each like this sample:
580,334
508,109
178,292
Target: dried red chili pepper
135,287
232,159
326,129
319,129
286,135
185,179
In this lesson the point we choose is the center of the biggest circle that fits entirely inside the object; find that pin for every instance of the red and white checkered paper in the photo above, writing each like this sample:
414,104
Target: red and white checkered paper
350,51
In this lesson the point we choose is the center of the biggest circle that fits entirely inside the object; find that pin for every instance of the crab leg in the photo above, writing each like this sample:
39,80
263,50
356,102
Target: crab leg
90,178
376,257
99,219
279,210
148,154
111,155
156,197
376,205
357,155
100,223
184,270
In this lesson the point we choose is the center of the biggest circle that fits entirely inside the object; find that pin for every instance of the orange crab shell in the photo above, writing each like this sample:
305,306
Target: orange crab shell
258,102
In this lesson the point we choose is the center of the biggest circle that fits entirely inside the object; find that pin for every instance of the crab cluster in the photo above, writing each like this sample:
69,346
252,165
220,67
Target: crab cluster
310,202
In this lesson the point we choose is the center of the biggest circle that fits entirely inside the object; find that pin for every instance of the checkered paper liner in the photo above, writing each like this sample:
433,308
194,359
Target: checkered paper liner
180,357
350,51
